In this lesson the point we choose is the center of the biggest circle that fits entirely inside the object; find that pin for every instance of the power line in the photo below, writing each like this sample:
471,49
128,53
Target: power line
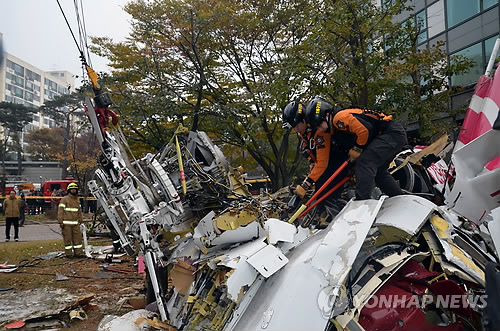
71,30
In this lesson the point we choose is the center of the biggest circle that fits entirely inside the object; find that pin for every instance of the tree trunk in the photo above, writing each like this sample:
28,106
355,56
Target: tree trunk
64,172
19,149
4,171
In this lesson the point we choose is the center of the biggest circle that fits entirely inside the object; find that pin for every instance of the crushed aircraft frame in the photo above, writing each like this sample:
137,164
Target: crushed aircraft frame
220,259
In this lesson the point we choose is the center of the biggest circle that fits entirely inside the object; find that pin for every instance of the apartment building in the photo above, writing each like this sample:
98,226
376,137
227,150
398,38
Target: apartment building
23,83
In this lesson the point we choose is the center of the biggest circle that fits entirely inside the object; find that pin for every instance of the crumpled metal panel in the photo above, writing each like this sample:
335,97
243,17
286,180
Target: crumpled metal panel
279,231
316,268
405,212
494,228
452,252
268,260
476,189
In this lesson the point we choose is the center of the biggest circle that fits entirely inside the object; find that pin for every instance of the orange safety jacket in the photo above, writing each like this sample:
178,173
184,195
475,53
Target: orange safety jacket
317,148
69,210
365,124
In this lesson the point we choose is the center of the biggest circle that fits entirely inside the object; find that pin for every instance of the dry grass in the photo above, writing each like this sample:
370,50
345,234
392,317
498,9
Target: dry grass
16,251
85,276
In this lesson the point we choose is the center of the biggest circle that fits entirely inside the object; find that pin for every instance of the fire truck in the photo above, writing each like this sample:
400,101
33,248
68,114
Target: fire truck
49,186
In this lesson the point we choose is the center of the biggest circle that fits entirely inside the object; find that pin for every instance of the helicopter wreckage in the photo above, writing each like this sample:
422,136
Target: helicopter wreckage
218,258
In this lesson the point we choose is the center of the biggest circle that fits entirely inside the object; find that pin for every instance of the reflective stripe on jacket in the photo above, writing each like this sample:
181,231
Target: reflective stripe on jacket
318,152
69,210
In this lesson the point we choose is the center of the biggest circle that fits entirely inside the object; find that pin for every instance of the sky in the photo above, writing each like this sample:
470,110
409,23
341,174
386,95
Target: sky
35,31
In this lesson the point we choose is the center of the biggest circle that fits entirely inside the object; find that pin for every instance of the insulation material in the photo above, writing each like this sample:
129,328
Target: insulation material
182,275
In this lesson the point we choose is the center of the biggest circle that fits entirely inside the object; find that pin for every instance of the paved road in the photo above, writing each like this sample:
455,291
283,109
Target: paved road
32,232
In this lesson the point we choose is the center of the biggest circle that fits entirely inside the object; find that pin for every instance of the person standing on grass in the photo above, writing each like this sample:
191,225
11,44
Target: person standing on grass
11,210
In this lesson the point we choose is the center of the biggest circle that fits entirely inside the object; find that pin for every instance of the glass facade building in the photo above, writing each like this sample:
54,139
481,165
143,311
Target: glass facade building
468,27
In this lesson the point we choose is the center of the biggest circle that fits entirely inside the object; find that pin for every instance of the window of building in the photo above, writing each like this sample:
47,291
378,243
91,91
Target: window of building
10,64
435,19
30,75
19,81
18,92
488,3
36,118
28,96
29,86
488,47
19,70
459,10
51,85
46,121
474,52
421,23
61,90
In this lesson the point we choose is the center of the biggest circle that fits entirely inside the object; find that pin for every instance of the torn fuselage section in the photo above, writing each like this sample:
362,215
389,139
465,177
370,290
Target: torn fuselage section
423,273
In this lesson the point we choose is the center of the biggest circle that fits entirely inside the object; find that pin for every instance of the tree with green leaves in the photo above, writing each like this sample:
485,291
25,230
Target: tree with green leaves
420,90
344,51
228,68
221,66
46,144
66,110
13,118
82,157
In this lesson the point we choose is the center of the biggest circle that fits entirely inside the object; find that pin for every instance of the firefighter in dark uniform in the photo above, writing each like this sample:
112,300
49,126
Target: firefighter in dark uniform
323,153
377,141
70,216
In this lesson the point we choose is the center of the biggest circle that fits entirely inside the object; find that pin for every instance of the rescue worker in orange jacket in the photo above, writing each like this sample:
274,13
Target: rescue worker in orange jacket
317,147
377,141
70,216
